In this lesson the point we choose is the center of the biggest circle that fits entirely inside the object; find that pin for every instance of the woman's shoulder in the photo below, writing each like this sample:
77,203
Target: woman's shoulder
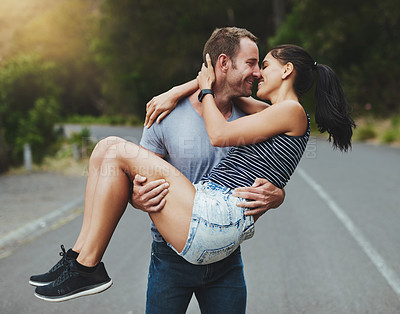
294,115
289,104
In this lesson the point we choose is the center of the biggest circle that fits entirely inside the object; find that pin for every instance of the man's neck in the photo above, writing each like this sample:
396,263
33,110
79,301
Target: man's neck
223,103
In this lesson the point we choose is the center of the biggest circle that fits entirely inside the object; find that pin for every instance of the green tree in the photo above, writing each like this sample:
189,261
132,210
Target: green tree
28,105
359,39
63,35
145,47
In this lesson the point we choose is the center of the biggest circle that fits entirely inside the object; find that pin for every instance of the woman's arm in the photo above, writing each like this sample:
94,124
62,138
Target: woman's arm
250,105
160,106
286,117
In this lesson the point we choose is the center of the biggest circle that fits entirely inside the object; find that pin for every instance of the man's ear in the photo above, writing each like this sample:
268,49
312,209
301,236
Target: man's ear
288,69
223,62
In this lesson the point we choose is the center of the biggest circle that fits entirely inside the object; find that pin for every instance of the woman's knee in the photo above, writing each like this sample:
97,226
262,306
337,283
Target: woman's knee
122,155
103,148
124,151
103,145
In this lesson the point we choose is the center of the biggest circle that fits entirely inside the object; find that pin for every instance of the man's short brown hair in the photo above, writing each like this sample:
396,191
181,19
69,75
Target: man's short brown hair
226,40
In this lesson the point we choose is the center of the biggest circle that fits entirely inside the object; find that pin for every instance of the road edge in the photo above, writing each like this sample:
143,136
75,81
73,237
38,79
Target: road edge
33,229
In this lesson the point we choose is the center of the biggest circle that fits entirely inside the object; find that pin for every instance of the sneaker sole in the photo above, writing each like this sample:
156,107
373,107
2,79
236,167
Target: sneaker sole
94,290
39,284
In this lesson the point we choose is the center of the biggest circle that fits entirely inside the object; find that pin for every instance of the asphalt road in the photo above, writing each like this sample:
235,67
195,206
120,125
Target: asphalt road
332,247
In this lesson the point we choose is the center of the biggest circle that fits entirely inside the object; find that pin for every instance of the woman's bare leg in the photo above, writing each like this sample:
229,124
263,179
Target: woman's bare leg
95,162
110,199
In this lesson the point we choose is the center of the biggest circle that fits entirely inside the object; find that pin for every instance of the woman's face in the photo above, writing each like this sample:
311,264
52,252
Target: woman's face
271,77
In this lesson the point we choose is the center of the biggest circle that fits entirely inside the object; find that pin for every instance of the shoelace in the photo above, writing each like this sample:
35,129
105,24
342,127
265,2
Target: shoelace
67,273
61,262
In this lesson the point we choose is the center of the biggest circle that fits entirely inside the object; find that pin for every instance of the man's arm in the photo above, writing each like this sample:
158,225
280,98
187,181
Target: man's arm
261,196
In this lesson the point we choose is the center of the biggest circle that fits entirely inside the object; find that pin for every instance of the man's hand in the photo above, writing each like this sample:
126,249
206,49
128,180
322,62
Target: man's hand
261,196
149,197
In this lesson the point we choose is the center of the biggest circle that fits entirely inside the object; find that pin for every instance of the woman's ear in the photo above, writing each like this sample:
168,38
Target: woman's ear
288,69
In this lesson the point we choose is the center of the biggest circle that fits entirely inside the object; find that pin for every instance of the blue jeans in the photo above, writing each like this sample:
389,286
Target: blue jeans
219,287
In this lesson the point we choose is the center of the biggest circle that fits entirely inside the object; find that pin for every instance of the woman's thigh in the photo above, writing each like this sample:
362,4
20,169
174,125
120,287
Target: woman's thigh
174,219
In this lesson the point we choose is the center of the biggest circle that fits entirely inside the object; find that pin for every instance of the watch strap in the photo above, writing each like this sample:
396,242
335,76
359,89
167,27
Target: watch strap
204,92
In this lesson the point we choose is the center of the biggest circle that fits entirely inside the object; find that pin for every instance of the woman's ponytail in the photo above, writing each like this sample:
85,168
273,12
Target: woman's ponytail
331,113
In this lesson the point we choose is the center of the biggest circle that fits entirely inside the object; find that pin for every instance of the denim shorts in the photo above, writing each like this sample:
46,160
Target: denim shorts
217,227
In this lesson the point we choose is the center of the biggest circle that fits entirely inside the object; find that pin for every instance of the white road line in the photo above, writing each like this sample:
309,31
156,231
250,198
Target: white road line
40,223
388,273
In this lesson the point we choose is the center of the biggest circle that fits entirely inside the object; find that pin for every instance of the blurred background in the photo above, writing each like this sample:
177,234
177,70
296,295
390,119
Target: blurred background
75,71
101,61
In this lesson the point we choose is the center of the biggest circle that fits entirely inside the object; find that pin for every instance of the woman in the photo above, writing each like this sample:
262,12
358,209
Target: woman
201,222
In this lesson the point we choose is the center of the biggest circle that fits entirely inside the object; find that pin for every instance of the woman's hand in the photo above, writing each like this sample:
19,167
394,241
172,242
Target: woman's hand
159,107
206,76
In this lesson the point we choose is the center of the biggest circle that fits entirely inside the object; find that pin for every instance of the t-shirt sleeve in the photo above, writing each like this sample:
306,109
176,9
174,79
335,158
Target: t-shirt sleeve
152,139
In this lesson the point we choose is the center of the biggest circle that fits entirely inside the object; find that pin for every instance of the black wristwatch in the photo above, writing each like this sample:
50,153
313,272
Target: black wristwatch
204,92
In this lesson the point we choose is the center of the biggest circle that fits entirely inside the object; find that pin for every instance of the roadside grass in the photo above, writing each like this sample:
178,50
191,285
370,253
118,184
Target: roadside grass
65,164
70,157
380,131
125,120
371,130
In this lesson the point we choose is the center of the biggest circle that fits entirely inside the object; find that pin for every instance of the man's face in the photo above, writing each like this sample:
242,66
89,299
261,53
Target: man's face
244,70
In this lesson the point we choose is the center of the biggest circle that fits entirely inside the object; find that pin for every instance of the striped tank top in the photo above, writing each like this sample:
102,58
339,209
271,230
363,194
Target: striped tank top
274,159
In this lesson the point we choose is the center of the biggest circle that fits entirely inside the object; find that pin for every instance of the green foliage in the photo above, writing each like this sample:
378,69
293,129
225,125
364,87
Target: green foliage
365,132
62,35
83,143
145,47
393,133
37,128
106,58
395,122
105,119
389,136
359,39
48,72
28,105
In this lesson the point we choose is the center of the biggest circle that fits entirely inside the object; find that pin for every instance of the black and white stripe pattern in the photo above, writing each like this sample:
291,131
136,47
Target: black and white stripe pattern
274,159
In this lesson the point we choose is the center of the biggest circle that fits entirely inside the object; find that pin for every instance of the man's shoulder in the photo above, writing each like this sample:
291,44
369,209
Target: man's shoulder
236,113
184,107
178,119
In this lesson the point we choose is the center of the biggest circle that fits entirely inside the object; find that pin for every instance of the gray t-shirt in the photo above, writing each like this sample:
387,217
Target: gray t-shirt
183,141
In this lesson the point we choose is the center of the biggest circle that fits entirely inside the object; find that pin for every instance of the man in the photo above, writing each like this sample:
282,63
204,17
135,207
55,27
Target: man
181,138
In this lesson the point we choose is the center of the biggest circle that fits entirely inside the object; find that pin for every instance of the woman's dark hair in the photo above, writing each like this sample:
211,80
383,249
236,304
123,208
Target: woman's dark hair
331,112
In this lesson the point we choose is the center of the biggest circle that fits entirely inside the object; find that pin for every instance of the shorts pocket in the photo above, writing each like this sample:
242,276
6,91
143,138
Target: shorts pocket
247,233
215,255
